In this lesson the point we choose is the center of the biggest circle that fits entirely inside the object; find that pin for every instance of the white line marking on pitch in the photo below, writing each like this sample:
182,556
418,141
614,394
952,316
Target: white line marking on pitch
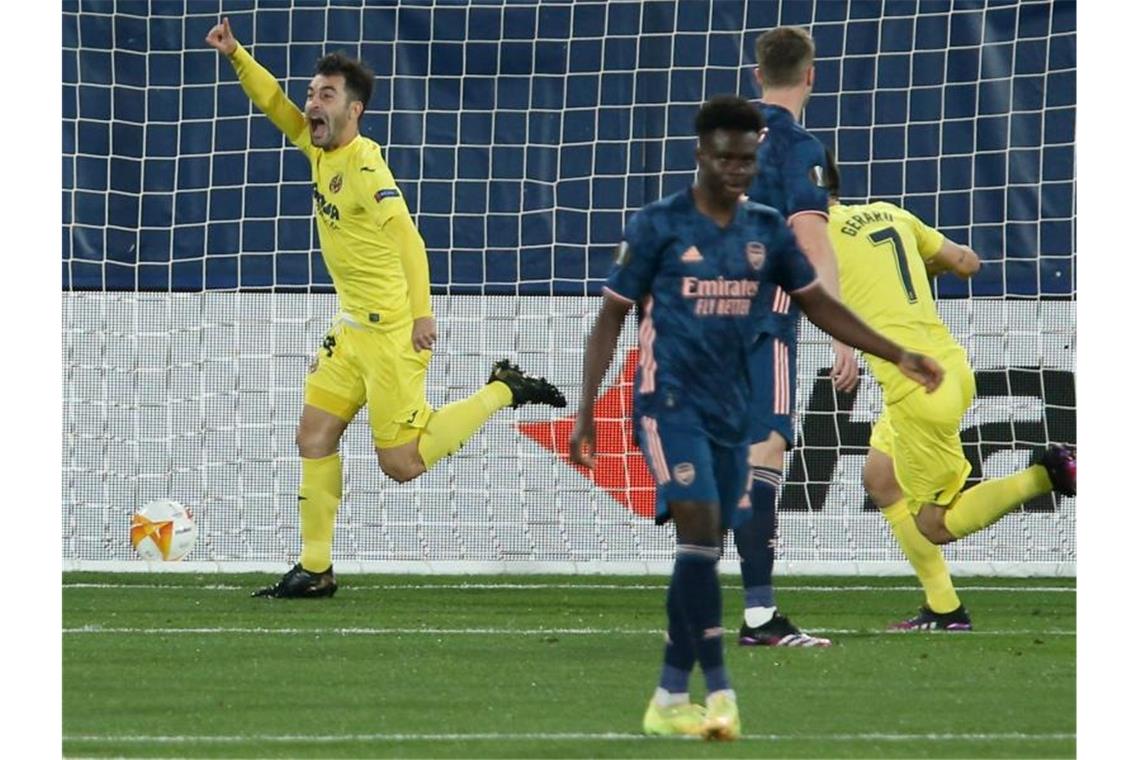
330,738
567,586
97,629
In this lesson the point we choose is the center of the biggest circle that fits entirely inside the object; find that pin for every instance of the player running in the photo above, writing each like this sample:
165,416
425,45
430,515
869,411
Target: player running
696,264
916,468
378,350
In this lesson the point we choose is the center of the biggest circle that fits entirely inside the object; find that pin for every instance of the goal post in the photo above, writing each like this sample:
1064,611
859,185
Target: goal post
523,135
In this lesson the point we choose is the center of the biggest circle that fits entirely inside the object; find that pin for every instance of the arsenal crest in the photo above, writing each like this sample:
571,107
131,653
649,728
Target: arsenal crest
755,252
685,473
335,183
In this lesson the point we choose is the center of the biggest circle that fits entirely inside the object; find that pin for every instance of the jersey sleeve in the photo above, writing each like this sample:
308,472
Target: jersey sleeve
268,96
791,269
375,188
929,239
802,173
635,262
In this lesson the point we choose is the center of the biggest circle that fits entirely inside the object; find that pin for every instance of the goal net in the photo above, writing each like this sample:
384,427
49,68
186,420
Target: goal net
523,136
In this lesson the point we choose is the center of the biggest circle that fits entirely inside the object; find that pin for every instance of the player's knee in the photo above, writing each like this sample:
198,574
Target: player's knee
931,522
313,446
401,468
879,489
879,481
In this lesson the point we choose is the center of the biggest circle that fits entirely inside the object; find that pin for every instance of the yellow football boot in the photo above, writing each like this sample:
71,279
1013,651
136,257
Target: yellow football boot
722,719
685,719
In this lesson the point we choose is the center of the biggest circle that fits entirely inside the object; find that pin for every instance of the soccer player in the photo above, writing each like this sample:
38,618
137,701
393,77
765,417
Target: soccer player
789,180
915,468
377,351
695,263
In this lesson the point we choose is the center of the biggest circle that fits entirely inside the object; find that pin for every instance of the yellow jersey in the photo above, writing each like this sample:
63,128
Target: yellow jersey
880,249
379,283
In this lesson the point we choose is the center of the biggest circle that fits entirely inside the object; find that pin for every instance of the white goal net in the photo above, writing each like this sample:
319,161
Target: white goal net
523,135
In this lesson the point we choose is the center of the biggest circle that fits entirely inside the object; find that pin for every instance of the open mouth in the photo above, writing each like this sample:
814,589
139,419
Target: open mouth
318,128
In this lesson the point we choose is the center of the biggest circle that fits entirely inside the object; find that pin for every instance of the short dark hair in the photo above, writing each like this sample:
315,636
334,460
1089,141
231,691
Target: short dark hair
358,77
728,112
783,55
831,175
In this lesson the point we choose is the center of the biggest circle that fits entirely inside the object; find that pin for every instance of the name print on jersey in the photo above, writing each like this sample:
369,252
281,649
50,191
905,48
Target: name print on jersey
859,221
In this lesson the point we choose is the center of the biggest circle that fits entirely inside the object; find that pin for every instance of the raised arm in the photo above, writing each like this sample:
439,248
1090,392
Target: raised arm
841,323
955,258
600,347
258,83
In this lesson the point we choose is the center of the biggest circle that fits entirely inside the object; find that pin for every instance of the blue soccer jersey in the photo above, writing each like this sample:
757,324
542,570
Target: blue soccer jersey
699,290
790,180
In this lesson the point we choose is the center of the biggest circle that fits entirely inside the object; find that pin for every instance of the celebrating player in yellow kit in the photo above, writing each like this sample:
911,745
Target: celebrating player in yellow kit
377,351
916,468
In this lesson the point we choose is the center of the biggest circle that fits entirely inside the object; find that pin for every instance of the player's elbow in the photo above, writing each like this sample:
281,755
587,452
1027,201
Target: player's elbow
969,264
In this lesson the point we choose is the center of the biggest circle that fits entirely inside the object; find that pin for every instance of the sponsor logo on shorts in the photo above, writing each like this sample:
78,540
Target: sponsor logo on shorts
685,473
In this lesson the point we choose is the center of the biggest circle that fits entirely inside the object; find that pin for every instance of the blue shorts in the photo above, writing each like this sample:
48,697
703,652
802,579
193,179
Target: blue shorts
772,366
689,466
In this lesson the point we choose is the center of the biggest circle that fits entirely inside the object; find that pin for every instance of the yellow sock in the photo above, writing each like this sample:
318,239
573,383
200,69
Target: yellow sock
925,557
983,504
450,427
318,501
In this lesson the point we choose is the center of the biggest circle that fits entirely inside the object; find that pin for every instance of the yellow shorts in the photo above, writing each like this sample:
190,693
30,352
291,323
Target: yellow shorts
357,365
920,432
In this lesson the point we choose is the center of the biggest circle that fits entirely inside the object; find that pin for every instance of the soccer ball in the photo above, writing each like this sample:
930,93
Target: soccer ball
163,530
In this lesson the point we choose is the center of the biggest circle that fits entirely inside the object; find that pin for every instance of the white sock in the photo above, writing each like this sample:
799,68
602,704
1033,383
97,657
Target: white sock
668,699
757,616
729,693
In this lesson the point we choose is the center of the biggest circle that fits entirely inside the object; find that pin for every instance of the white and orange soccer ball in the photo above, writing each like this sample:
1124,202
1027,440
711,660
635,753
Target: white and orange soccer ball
163,530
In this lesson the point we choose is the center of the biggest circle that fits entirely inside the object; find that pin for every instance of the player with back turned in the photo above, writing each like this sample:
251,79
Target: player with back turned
378,350
916,468
788,180
696,264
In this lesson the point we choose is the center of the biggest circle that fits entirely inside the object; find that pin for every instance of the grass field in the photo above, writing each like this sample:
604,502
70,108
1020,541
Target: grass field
527,666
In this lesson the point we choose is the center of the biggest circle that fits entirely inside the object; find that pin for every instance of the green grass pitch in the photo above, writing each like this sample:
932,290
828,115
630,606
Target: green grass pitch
535,666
